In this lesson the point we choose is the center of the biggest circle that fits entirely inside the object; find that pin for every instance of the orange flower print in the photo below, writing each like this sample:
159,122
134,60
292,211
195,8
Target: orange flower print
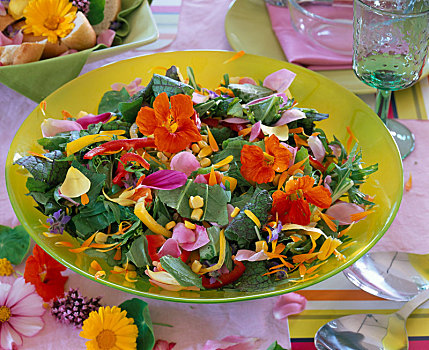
292,204
260,166
172,127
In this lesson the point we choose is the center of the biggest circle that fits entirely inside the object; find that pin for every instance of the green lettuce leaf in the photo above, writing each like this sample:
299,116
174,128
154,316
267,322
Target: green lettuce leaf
181,272
14,243
138,310
161,83
215,201
111,100
138,253
266,111
249,92
129,110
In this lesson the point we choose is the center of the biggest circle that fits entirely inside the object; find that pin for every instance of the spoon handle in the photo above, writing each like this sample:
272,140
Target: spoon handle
409,307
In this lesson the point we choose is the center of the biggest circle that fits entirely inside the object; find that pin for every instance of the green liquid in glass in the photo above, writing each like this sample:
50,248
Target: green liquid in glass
387,72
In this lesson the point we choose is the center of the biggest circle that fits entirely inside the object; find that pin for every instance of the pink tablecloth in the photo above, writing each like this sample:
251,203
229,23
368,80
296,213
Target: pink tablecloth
201,27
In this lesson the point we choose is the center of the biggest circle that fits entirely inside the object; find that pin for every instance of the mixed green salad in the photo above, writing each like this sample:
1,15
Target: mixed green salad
197,189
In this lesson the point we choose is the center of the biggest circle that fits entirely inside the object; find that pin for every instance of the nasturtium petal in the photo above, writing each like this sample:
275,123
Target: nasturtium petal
75,183
14,243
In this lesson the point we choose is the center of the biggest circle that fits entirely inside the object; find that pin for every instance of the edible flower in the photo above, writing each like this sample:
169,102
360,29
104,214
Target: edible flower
44,272
50,18
185,162
172,127
57,222
51,127
166,281
280,80
109,328
21,311
260,166
343,212
16,8
75,183
6,268
131,88
293,204
189,239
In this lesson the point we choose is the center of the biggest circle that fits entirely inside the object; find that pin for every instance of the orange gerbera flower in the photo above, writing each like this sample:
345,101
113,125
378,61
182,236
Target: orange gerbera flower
172,128
260,166
292,204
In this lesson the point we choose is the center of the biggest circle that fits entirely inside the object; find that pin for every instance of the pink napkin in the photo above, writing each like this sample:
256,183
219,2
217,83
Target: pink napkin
300,50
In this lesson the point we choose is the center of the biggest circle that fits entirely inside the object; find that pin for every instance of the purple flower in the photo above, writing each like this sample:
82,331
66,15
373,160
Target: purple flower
57,222
275,232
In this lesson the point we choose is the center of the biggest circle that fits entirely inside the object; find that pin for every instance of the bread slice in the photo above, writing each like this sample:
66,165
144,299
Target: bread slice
5,21
51,50
82,36
111,10
18,54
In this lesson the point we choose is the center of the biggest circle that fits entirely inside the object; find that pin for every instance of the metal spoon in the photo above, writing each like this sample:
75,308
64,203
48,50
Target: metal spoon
391,275
369,331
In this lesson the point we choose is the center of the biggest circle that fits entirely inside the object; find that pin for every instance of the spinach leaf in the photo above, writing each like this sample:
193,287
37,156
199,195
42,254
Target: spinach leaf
173,73
204,107
129,110
252,280
222,134
181,272
266,111
211,249
235,109
111,100
311,116
138,310
172,87
51,171
138,253
93,217
249,92
14,243
59,141
242,228
215,201
36,186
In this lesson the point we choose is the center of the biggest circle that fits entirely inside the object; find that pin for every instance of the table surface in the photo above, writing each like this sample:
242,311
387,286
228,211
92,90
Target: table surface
330,299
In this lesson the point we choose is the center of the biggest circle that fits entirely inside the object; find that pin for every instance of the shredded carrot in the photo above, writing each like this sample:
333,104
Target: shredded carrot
299,141
296,166
95,265
212,142
63,244
409,183
305,279
347,229
233,58
244,132
212,177
328,220
302,270
39,156
66,114
296,131
350,139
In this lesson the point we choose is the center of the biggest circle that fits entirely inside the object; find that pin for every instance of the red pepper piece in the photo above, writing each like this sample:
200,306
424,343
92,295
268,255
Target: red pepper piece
225,279
154,242
125,158
117,145
316,164
185,255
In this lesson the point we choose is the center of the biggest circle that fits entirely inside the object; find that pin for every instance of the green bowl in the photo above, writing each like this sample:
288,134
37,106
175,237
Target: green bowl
309,88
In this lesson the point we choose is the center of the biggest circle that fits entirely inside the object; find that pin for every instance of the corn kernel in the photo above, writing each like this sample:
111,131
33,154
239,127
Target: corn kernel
100,237
261,245
202,143
195,148
235,212
196,266
196,202
205,138
190,225
161,156
197,214
205,162
205,151
170,225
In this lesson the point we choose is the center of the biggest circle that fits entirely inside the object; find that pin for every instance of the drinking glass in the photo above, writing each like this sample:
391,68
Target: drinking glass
390,46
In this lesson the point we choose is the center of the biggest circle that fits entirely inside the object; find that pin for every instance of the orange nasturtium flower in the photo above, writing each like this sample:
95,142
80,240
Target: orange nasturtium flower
172,127
292,204
260,166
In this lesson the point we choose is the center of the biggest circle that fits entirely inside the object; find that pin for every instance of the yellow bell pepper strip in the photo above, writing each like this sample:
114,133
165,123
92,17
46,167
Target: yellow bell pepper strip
222,252
77,145
116,145
149,221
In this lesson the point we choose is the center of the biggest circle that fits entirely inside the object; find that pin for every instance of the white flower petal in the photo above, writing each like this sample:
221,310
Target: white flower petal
31,305
8,337
19,290
27,326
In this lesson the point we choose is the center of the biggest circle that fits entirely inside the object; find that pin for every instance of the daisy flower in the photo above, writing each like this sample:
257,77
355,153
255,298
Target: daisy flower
21,311
109,328
50,18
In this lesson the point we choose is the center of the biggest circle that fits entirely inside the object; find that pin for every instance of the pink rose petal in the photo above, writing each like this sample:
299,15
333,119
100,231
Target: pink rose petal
201,239
341,211
289,304
316,147
247,80
327,182
51,127
182,234
199,98
165,180
185,162
250,255
254,133
336,149
106,37
235,120
232,343
93,119
279,81
131,88
289,116
170,247
200,179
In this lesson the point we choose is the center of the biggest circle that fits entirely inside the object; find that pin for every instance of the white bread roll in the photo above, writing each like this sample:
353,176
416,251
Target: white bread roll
111,10
82,36
51,50
18,54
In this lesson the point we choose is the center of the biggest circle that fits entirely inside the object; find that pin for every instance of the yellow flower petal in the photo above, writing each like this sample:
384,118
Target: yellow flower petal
282,132
75,183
